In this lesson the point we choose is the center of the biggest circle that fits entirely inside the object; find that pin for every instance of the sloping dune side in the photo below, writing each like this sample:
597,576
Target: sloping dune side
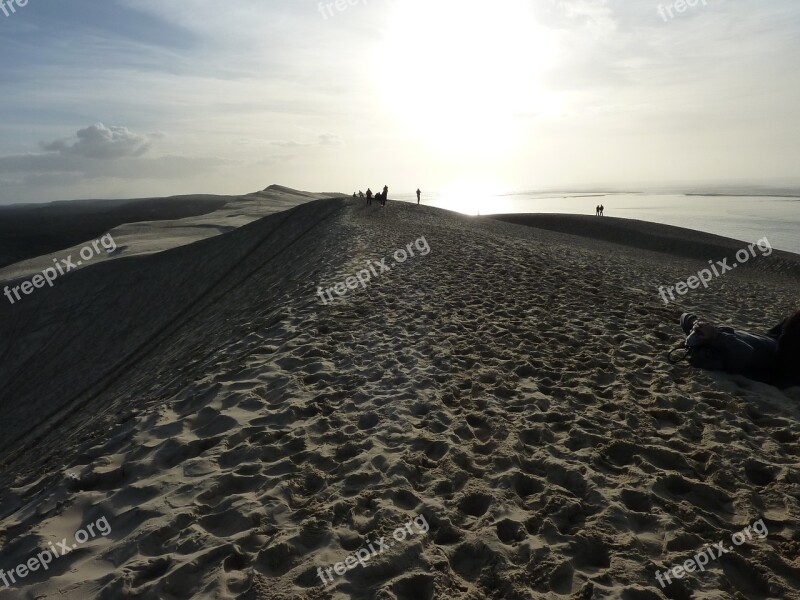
137,227
64,345
509,387
31,230
677,241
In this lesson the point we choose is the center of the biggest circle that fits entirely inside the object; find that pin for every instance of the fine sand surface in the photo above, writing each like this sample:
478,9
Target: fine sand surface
137,227
510,387
676,241
31,230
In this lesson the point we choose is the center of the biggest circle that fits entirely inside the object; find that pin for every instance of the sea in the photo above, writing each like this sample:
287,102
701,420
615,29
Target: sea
746,218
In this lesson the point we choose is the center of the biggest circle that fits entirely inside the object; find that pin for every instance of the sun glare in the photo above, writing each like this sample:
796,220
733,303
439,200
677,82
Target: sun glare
471,197
460,73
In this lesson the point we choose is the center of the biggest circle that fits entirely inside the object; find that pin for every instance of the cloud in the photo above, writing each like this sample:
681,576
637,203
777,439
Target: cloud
101,142
326,139
330,139
54,164
95,155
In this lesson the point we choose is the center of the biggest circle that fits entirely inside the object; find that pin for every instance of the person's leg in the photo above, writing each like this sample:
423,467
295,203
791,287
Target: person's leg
687,322
776,331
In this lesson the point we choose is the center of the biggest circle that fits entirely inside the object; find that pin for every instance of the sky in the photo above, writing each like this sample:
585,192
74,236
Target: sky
140,98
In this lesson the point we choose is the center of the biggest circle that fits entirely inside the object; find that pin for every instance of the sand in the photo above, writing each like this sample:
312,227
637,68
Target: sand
510,387
138,227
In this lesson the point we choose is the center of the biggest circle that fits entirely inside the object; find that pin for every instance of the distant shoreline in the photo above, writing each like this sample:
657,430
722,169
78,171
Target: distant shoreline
747,195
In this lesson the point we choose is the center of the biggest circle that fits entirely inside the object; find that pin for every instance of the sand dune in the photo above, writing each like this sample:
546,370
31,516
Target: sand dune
31,230
138,227
509,387
676,241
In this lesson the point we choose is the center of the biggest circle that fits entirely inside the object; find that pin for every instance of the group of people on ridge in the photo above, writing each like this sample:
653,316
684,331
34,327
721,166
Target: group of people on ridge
599,210
380,196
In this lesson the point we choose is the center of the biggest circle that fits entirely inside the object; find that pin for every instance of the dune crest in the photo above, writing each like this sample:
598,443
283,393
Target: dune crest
509,387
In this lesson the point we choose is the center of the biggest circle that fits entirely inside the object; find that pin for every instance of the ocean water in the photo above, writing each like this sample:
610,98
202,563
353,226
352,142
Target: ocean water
747,218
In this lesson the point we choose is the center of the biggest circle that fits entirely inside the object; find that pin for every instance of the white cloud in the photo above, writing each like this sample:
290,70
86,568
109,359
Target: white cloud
326,139
101,142
95,156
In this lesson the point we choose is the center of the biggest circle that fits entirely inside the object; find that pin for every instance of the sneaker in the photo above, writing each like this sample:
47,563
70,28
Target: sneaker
687,322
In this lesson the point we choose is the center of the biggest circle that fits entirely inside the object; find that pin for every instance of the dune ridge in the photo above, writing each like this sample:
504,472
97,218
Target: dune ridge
510,387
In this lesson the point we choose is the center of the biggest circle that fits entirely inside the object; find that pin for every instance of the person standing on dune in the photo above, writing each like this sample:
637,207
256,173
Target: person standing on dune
385,195
419,195
369,196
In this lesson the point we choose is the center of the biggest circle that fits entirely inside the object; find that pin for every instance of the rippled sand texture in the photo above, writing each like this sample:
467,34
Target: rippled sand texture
510,386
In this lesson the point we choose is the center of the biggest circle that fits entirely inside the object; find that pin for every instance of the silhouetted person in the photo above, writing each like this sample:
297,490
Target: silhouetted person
360,194
597,211
602,209
385,194
419,195
369,197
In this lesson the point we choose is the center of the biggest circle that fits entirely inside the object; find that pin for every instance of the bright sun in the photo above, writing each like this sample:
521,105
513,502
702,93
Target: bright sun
461,72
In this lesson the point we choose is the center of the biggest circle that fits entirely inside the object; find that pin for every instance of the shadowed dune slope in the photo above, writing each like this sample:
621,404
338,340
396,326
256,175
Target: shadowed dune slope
30,230
50,233
510,387
677,241
62,345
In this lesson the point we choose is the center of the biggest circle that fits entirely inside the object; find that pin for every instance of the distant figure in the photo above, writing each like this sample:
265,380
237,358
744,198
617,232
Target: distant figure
354,195
360,194
772,358
602,209
419,195
369,197
385,194
597,211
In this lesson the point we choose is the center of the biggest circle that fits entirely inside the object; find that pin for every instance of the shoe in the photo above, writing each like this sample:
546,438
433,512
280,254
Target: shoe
687,322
